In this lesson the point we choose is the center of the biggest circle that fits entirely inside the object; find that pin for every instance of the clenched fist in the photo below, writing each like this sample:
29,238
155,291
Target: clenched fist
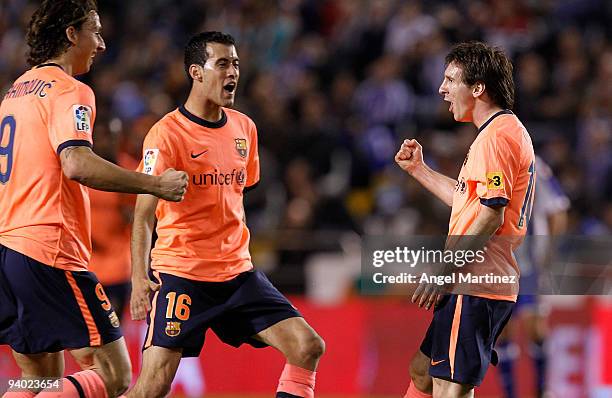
173,185
410,156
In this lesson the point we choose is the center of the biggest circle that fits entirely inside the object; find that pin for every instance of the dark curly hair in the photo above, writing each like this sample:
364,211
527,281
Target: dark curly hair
483,63
46,35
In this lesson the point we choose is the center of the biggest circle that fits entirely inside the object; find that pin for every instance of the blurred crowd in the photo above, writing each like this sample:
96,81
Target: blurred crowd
334,86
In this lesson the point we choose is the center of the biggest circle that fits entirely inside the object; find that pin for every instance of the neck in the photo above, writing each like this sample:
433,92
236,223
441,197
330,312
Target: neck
483,112
203,108
63,62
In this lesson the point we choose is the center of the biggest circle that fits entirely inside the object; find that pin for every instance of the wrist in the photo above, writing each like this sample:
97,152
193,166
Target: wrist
154,185
419,170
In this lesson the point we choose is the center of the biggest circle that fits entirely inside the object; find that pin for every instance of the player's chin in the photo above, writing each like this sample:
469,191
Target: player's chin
87,67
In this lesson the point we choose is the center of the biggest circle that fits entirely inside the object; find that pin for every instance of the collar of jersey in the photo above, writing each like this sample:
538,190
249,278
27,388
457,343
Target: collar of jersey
503,112
202,122
49,64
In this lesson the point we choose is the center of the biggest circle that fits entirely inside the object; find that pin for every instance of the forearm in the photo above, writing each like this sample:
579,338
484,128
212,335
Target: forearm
486,223
92,171
440,185
142,232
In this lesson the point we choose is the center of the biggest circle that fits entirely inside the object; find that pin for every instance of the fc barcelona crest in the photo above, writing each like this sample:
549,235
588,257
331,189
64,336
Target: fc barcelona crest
241,146
173,328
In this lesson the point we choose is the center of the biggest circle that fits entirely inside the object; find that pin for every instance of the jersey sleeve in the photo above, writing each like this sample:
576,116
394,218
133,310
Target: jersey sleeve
253,158
157,154
492,169
71,115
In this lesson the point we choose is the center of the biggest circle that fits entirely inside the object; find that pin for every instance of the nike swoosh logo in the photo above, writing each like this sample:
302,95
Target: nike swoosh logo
198,155
434,363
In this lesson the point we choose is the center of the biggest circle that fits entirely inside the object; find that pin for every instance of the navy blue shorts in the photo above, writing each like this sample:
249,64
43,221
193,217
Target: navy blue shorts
183,310
461,337
46,309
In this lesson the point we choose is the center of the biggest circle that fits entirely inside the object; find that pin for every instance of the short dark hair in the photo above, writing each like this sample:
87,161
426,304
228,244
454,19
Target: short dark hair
195,50
46,35
480,62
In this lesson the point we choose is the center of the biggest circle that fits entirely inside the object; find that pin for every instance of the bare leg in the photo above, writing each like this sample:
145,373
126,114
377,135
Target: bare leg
419,372
49,364
298,342
110,361
159,367
447,389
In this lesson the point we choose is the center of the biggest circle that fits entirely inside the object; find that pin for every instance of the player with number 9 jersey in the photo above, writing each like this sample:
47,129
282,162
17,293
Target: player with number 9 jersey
49,301
45,215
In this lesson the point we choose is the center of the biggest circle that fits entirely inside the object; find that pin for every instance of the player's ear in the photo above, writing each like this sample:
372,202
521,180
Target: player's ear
71,35
195,71
478,89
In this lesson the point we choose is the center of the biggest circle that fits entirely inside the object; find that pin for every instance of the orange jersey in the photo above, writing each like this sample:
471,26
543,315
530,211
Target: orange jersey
110,235
45,215
498,170
204,237
110,231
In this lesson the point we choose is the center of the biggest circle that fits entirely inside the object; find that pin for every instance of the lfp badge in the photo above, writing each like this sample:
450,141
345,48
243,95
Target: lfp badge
149,160
82,118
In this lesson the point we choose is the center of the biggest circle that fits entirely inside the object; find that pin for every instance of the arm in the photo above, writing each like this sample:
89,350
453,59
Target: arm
142,232
410,159
81,164
487,222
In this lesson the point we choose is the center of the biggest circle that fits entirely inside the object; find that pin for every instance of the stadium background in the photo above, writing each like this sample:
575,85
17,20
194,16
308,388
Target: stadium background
334,86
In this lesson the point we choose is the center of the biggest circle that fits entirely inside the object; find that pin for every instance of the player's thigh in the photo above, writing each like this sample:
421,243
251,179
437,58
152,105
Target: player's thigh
509,331
159,366
292,335
111,361
160,362
447,389
419,365
47,364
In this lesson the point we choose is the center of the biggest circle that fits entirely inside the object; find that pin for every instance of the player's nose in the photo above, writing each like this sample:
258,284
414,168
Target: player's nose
101,45
442,89
232,71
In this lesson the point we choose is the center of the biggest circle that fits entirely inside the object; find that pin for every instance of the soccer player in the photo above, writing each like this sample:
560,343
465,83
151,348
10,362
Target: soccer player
491,198
202,268
548,219
48,300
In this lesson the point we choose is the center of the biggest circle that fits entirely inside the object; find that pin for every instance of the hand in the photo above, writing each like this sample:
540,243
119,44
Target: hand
173,185
427,294
410,156
140,303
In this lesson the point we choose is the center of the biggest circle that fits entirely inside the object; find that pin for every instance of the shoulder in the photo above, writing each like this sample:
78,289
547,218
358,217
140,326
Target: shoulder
504,130
164,131
240,117
68,84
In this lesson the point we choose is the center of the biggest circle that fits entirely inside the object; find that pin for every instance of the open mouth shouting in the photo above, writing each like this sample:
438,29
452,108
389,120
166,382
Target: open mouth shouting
229,88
